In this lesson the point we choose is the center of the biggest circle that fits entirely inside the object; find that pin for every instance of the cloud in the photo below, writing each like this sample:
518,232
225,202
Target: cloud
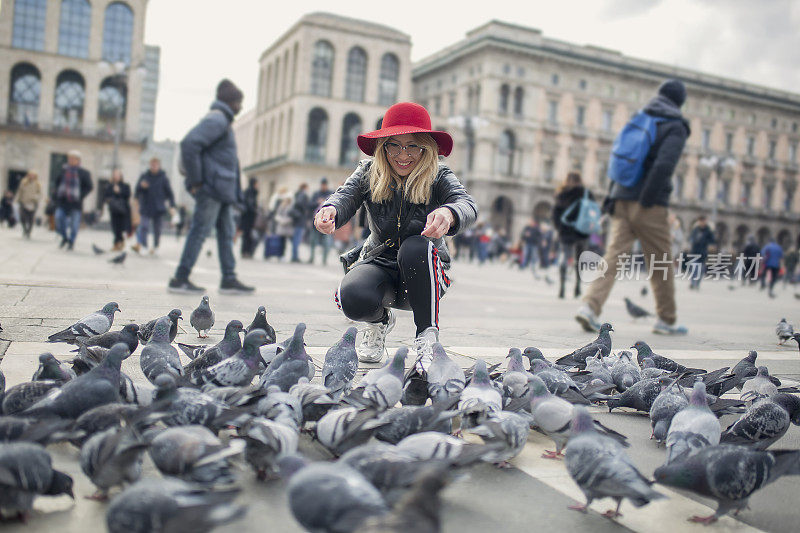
619,9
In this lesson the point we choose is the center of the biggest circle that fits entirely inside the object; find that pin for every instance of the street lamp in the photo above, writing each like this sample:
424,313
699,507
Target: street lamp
121,72
721,167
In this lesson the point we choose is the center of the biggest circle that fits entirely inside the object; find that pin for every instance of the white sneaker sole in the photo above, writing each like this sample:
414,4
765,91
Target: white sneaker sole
586,324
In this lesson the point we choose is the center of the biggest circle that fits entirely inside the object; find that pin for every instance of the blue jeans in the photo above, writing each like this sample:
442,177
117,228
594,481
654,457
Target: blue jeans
144,228
209,213
68,222
530,256
321,239
297,238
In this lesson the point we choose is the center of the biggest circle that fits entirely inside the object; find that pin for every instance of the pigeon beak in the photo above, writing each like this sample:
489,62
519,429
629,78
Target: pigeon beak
180,318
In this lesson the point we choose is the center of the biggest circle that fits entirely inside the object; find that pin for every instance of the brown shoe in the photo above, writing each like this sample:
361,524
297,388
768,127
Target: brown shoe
136,248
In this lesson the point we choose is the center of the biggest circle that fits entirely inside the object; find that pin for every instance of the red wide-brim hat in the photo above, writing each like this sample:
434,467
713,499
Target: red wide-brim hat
402,118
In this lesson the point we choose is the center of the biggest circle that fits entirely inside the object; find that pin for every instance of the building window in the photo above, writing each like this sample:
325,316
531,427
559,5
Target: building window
387,86
772,145
68,101
582,85
794,127
774,123
322,69
349,152
549,170
506,69
74,28
505,153
29,20
580,116
608,116
793,152
554,79
505,93
519,99
678,190
751,145
724,191
117,33
451,104
437,105
702,186
729,142
317,135
766,202
110,101
520,72
356,74
787,201
706,139
23,99
552,112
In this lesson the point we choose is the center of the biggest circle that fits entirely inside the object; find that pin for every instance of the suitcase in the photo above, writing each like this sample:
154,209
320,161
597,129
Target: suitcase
274,246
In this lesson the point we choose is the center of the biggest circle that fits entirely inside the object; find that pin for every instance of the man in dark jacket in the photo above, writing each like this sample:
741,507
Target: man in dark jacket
153,192
248,219
700,239
211,166
300,214
531,237
317,238
640,212
72,185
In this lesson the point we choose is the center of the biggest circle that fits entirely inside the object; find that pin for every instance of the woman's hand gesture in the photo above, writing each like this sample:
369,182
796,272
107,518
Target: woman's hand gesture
325,220
438,223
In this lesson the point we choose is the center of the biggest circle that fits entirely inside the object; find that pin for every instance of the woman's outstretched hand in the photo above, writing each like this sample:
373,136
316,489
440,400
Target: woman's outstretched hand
325,220
438,223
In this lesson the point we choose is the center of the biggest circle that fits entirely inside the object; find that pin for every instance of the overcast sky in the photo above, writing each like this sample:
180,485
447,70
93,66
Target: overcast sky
203,41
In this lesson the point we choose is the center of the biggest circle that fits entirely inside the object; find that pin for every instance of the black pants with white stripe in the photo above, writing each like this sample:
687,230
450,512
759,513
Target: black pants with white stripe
418,283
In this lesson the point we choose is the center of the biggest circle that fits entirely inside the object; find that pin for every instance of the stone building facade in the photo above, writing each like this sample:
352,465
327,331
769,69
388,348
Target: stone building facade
61,87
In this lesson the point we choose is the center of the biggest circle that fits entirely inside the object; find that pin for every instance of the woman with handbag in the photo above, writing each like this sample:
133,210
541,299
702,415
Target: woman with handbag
571,242
412,201
117,197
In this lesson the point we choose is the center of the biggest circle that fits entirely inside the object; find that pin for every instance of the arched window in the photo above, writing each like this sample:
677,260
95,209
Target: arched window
519,97
356,74
317,135
322,69
387,85
117,33
505,153
111,101
505,92
29,20
351,127
68,101
24,96
74,28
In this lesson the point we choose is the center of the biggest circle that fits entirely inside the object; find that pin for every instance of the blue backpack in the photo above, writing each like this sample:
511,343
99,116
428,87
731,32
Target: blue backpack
630,149
588,219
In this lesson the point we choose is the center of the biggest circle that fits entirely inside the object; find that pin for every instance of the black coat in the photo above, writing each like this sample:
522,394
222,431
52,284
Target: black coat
118,202
86,187
564,199
382,217
153,199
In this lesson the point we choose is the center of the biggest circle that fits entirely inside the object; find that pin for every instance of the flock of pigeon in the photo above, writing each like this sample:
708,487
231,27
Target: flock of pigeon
394,438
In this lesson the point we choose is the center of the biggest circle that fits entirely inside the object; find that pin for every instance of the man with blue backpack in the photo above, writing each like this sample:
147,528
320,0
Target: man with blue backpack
643,158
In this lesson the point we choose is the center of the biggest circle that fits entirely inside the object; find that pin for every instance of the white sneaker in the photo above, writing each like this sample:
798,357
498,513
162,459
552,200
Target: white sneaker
423,345
373,345
587,319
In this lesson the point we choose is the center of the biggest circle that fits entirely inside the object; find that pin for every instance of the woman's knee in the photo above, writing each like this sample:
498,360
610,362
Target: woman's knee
359,304
412,248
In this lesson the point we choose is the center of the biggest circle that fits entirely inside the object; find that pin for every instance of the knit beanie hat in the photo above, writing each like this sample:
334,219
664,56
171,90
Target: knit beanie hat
228,92
675,90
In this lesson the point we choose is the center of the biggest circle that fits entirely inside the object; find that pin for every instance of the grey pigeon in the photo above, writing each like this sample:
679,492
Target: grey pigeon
295,350
51,368
202,318
159,356
551,416
26,471
444,376
237,370
111,458
599,369
314,399
186,406
509,430
44,432
99,386
96,323
342,429
693,428
744,369
650,370
624,373
533,353
636,311
759,386
729,474
434,445
208,356
193,453
559,383
639,397
382,387
602,343
281,407
784,331
479,398
260,322
23,395
764,422
118,259
129,335
169,505
267,443
146,330
97,250
341,364
643,351
669,402
400,422
100,418
602,469
330,497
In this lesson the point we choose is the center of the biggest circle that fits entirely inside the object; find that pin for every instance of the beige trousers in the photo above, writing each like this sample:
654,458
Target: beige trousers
650,226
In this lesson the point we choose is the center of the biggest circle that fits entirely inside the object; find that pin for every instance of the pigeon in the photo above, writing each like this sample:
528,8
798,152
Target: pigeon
650,370
186,406
400,422
784,331
381,387
434,445
644,351
764,422
728,474
479,398
129,335
146,330
342,429
170,505
158,355
796,338
267,443
97,250
601,343
2,389
193,453
44,432
533,353
643,292
635,311
444,376
341,364
601,469
260,322
625,374
314,399
559,383
112,457
693,428
237,370
551,416
599,370
330,497
99,386
100,418
51,368
119,259
281,407
23,395
207,356
202,318
295,349
759,386
640,396
26,470
667,404
95,324
509,430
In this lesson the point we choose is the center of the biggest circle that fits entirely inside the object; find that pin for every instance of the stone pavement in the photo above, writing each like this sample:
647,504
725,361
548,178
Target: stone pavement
488,309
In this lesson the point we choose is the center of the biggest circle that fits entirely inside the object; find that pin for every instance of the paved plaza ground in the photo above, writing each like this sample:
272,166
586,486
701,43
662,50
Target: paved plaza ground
488,309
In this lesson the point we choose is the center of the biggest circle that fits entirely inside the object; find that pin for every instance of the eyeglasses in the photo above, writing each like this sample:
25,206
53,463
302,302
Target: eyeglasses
394,149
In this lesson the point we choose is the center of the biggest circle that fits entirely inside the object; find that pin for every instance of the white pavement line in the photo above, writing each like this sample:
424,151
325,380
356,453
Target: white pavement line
666,515
475,352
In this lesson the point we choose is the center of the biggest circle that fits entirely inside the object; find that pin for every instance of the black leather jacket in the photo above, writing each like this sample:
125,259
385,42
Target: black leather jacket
393,221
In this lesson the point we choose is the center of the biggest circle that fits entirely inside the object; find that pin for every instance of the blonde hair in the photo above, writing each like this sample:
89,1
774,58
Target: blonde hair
417,189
